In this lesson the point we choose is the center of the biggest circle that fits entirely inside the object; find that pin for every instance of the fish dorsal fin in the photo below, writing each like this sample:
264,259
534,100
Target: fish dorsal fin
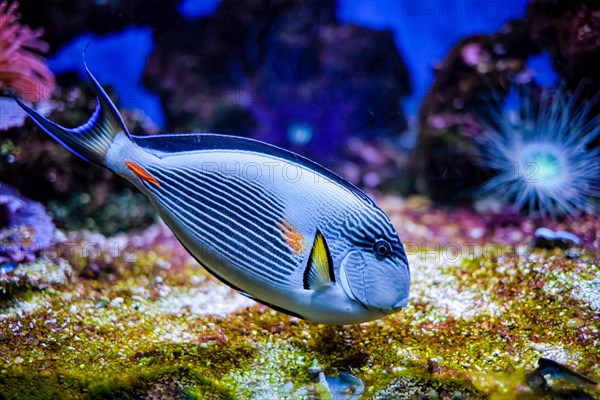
170,144
319,269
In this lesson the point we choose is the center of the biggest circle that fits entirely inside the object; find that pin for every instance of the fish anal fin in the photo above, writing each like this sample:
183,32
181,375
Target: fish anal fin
142,173
234,287
319,269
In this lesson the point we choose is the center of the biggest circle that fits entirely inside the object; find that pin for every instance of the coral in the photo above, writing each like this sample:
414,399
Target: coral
78,194
25,227
539,150
27,241
570,31
478,68
132,315
445,161
22,70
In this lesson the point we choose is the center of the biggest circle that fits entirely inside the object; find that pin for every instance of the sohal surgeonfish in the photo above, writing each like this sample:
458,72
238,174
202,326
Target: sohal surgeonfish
270,223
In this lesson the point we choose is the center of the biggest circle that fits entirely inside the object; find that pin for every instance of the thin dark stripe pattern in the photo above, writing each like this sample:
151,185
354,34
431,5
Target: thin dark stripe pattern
238,218
364,228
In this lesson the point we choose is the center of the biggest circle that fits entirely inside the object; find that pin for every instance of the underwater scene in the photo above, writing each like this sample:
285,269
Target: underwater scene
300,199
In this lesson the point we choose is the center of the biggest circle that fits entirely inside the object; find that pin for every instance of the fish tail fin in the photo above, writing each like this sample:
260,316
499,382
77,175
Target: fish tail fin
91,140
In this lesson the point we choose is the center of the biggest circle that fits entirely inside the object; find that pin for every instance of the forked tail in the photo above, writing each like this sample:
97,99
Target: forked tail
91,140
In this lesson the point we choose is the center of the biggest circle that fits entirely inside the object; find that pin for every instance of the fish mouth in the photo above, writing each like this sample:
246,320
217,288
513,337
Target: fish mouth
351,279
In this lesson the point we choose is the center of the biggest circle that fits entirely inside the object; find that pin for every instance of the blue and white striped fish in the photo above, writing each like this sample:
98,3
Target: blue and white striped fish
267,222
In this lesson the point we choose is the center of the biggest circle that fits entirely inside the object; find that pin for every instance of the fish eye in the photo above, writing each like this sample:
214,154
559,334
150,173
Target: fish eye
382,247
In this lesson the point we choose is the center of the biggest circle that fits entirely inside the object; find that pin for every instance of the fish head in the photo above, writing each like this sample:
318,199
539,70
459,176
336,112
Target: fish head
377,276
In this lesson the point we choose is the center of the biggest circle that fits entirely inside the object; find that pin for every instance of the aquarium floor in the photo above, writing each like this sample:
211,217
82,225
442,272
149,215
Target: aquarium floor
133,316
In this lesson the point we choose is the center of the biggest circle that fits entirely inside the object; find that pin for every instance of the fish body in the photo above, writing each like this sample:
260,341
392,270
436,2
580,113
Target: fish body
272,224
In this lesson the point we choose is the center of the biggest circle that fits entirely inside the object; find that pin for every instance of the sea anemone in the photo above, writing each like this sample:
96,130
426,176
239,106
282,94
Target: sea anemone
22,69
543,151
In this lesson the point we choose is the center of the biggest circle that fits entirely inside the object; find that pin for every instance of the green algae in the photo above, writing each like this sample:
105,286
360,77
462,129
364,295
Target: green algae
166,383
129,334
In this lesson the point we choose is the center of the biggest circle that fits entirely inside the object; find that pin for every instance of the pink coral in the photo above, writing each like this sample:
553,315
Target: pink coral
22,69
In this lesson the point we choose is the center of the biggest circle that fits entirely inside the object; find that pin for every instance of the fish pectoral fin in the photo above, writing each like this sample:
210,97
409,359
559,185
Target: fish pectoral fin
319,269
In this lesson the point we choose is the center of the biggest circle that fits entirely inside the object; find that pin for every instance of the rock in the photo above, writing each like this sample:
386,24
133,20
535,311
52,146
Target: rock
63,21
375,164
408,388
570,32
573,253
345,386
555,371
546,238
286,72
446,156
476,324
37,275
11,115
77,193
25,227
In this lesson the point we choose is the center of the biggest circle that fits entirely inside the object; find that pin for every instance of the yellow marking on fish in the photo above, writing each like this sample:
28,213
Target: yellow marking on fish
293,237
319,271
141,173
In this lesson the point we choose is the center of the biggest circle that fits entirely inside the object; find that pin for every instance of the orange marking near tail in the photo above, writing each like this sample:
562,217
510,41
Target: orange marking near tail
141,173
293,237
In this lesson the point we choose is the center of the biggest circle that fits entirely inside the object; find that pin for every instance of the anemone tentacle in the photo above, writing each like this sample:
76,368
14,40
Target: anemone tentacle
542,151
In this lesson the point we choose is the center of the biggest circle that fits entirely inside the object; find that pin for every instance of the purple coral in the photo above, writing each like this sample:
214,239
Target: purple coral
25,227
21,68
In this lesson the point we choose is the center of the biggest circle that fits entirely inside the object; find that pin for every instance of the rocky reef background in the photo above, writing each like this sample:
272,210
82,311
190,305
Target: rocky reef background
99,300
482,66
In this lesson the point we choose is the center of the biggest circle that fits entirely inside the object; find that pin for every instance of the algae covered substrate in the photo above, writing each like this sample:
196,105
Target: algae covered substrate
134,317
